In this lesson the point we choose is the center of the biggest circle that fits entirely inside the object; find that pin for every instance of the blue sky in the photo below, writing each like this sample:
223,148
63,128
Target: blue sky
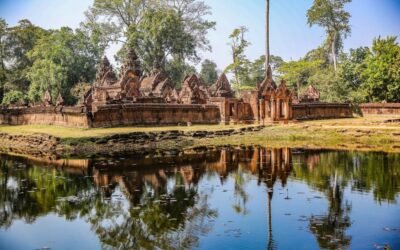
291,37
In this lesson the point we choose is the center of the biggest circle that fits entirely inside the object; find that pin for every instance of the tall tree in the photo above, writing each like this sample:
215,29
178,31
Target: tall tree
267,38
20,39
209,72
192,13
382,72
331,15
297,73
111,20
60,60
240,65
160,36
3,56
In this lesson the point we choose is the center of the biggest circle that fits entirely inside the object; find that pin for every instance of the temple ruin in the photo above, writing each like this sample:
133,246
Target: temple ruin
134,99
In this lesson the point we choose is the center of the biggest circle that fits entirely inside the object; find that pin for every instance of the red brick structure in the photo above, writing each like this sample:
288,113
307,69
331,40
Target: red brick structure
193,91
275,103
380,108
134,99
310,95
320,110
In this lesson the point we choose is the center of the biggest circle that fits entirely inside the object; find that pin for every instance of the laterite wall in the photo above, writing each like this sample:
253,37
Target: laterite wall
310,111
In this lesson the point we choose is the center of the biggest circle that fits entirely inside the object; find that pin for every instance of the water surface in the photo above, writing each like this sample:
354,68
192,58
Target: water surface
252,198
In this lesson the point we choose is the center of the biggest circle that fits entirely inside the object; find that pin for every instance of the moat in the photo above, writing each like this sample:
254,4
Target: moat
248,198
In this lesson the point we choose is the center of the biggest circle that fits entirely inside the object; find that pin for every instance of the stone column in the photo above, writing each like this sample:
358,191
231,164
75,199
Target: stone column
273,110
287,112
236,112
278,109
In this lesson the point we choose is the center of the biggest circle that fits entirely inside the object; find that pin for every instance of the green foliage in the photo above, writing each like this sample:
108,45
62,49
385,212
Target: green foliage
14,97
257,70
119,20
297,73
46,75
80,89
159,35
61,60
3,51
351,72
240,65
19,40
382,72
178,70
209,72
330,86
331,15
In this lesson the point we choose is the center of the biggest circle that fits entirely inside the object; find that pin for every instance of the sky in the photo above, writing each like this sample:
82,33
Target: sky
290,36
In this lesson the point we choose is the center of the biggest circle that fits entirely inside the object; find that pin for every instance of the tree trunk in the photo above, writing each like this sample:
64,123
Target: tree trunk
267,37
334,52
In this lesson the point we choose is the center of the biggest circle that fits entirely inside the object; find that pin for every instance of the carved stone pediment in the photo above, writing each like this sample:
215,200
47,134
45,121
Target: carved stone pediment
310,95
268,85
222,88
47,99
193,91
105,75
60,100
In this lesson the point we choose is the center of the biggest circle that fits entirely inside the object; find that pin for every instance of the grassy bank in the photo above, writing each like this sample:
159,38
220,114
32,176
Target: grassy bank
363,133
65,132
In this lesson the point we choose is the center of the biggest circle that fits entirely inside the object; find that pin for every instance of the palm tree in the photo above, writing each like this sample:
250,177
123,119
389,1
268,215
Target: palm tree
267,37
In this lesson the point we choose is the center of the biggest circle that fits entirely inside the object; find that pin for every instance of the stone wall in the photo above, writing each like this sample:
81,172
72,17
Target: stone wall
380,108
112,115
153,114
60,116
251,98
310,111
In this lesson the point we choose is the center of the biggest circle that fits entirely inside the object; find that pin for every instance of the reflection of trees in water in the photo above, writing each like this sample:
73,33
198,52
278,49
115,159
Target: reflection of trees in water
160,205
29,192
156,210
273,163
363,172
331,173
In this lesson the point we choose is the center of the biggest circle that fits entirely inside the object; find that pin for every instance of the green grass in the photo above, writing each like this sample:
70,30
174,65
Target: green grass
65,132
365,133
362,133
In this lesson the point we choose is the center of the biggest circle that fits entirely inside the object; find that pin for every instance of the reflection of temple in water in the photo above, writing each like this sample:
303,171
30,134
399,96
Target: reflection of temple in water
268,164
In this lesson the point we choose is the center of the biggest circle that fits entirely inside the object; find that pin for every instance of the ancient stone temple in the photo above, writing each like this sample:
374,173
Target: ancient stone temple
233,110
47,99
275,101
130,76
310,95
132,99
193,91
222,88
105,88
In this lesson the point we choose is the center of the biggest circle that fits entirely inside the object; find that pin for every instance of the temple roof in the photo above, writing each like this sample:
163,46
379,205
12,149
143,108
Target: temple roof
105,74
131,64
268,83
149,82
222,87
311,93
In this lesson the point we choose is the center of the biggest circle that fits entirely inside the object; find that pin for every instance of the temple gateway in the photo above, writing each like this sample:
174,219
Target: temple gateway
134,99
